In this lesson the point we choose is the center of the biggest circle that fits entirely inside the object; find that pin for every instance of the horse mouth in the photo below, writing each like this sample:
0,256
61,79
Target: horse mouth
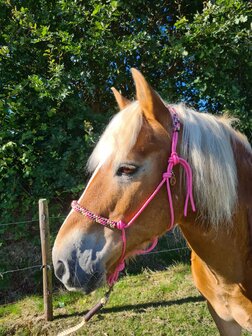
96,281
93,282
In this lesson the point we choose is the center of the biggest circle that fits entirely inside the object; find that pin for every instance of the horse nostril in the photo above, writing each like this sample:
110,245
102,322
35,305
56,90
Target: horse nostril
60,269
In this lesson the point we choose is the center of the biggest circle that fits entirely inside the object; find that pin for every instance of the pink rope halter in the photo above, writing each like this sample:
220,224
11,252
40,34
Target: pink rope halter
173,160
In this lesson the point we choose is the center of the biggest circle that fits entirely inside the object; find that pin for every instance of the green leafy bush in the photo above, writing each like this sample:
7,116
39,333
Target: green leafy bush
58,60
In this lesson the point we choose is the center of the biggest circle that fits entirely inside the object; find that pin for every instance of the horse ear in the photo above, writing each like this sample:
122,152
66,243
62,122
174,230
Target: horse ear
121,101
150,102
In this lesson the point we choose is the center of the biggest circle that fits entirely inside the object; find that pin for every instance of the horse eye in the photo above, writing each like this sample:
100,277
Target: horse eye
127,170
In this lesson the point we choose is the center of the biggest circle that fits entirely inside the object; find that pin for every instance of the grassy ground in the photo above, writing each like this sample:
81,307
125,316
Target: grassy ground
151,303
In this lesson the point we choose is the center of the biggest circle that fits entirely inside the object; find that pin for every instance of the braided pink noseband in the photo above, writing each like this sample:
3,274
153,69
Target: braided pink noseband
173,160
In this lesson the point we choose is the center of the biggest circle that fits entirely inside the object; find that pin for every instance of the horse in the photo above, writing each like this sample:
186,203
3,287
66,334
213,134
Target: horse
125,212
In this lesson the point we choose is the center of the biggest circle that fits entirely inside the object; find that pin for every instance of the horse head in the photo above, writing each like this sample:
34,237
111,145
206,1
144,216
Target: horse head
127,165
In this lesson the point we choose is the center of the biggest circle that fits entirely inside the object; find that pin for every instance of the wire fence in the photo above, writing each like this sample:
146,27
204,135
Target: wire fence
28,221
22,269
19,270
22,244
40,266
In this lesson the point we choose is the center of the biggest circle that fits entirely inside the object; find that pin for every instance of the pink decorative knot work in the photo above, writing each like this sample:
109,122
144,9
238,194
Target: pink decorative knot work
96,218
173,160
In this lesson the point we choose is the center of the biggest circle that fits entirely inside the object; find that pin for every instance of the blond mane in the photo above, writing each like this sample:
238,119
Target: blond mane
206,144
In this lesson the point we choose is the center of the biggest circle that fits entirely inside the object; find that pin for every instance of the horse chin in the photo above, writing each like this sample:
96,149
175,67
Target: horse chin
96,281
101,281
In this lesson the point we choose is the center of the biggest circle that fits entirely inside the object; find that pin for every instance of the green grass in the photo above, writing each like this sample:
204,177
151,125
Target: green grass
152,303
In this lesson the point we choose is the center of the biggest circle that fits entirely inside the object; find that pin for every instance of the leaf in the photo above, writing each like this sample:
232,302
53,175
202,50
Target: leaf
181,22
97,9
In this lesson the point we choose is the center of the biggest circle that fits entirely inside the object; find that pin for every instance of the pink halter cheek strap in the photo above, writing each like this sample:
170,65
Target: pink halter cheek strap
173,160
112,278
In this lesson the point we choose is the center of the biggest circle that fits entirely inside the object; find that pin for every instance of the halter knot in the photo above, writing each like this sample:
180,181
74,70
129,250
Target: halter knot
121,225
166,175
174,158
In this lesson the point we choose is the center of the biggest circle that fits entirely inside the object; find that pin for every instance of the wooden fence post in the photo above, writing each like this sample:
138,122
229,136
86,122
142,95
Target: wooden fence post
46,258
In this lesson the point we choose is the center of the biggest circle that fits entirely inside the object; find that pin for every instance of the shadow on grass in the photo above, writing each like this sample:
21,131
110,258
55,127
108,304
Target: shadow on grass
138,308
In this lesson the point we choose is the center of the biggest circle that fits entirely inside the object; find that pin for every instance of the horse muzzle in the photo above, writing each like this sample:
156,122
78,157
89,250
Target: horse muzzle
76,279
77,270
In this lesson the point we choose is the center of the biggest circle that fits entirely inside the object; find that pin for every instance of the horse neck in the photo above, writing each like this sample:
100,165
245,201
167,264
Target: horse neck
243,157
225,251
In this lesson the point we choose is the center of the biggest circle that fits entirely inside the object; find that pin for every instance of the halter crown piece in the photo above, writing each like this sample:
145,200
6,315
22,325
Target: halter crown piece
173,160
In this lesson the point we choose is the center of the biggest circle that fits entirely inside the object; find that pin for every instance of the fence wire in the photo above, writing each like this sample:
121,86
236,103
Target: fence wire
29,221
42,266
39,266
19,270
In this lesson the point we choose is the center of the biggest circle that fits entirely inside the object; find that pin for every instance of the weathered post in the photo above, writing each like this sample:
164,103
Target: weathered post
46,258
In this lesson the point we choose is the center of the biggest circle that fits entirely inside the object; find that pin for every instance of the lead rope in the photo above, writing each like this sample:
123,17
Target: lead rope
98,306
